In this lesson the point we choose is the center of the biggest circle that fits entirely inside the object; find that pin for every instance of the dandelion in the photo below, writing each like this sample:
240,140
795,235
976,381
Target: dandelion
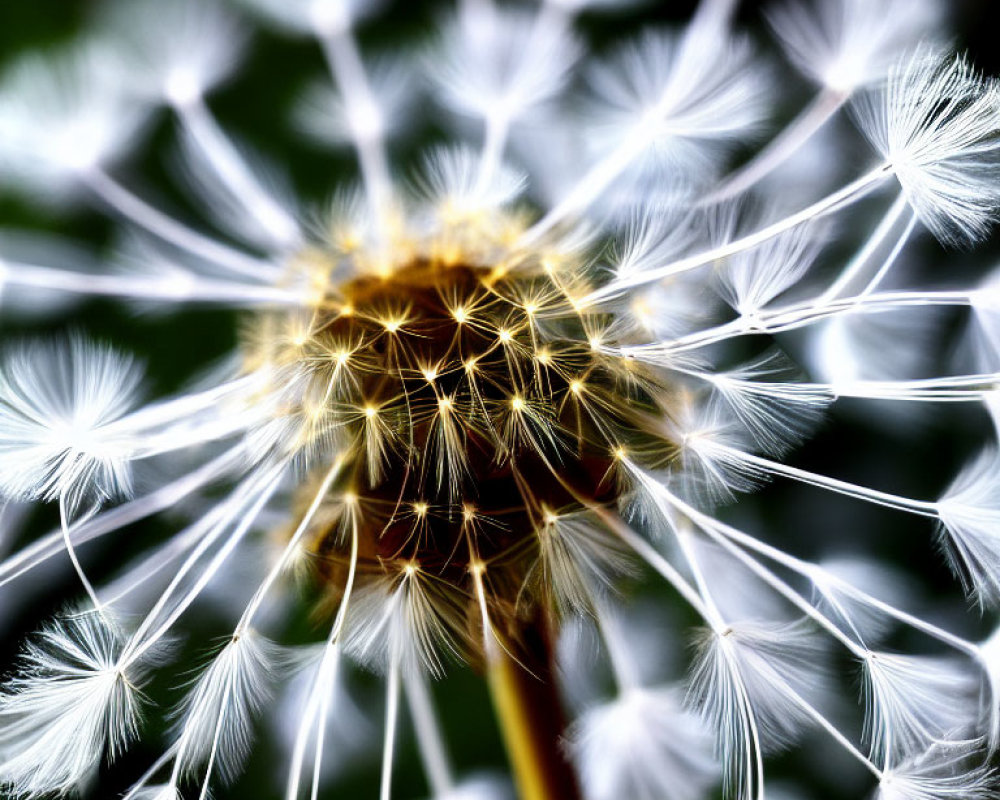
485,399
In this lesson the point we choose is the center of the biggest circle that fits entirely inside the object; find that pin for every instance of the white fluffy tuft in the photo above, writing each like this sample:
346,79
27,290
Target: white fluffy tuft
653,236
709,442
323,115
937,123
913,701
217,720
776,410
175,52
451,181
494,64
403,620
753,279
578,559
318,17
970,520
848,44
643,746
749,682
69,705
54,402
943,772
61,116
672,105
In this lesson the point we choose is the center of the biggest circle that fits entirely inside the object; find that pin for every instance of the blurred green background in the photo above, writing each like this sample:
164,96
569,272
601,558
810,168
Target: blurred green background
176,346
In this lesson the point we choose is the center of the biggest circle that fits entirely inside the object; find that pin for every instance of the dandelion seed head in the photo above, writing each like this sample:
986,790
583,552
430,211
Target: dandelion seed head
502,391
474,388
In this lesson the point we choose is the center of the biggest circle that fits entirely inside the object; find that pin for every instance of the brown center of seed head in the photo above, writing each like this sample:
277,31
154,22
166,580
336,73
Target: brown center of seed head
475,408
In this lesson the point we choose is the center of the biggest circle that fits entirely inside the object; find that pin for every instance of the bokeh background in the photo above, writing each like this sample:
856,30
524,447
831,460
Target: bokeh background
920,450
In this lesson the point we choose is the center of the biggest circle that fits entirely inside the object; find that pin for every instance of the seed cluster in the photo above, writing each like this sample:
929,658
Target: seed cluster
482,425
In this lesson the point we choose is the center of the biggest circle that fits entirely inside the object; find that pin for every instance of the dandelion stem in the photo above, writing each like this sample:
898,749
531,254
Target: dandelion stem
863,256
116,518
890,259
263,486
176,287
658,562
391,720
290,549
141,213
348,71
552,20
71,551
819,576
320,716
431,744
147,776
622,667
948,389
682,533
166,412
844,196
798,315
323,686
530,716
232,169
834,732
781,147
895,501
497,128
216,738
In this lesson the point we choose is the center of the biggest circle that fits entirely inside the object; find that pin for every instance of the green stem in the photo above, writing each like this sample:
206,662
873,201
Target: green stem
531,717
